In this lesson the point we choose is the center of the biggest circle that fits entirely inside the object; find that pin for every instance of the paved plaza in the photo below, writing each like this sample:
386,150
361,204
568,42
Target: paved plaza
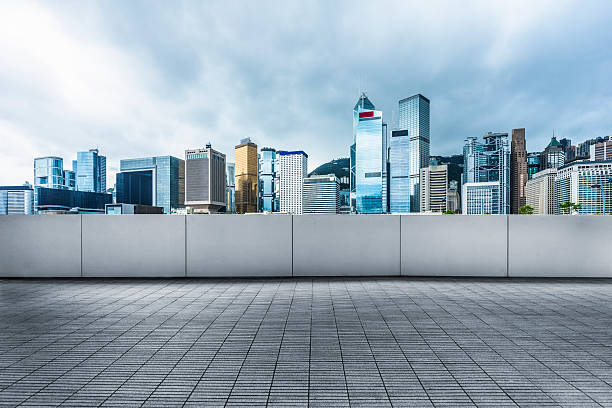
306,342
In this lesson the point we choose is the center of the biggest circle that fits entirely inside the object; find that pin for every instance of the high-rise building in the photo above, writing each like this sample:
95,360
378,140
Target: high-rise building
414,117
553,156
519,173
69,179
399,171
291,170
55,200
268,200
583,149
230,175
205,180
246,176
362,105
453,198
434,187
91,171
533,163
601,151
583,183
16,199
157,181
49,172
321,194
369,154
487,164
541,194
341,169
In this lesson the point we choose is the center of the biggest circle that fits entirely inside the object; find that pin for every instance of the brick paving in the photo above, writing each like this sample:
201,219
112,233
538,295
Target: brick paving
306,342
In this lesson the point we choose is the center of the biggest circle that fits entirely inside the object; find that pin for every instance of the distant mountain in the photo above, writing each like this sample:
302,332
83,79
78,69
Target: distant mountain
339,167
455,165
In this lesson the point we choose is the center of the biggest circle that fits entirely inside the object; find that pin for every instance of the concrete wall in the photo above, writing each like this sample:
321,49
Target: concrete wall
555,246
308,245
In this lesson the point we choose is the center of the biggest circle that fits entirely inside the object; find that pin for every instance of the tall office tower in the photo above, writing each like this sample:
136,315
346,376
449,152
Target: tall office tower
91,171
16,199
533,163
541,194
570,154
565,143
486,175
291,170
49,172
246,177
519,173
582,183
341,169
157,181
601,151
321,194
453,199
268,201
369,155
414,117
434,188
399,172
553,156
205,180
362,105
230,190
69,179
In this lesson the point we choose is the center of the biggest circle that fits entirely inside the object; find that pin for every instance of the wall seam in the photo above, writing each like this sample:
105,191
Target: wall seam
292,239
400,245
81,226
507,246
185,245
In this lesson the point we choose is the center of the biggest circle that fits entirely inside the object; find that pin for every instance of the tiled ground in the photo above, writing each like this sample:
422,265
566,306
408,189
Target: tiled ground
338,342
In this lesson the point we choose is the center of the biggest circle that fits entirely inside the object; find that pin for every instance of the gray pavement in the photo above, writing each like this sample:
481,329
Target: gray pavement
306,342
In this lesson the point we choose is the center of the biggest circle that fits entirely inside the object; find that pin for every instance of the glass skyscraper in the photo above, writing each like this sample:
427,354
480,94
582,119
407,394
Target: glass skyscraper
399,169
230,187
49,172
369,156
268,199
91,171
414,117
158,181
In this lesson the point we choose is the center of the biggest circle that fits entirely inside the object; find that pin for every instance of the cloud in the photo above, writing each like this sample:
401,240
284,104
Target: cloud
144,78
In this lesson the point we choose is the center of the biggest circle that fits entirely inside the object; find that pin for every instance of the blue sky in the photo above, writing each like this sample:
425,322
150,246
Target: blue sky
142,78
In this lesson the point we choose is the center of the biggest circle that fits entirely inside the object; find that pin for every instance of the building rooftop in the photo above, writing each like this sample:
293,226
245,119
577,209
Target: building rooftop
306,342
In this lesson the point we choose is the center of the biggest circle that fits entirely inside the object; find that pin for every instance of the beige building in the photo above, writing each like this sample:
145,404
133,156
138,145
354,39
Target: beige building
433,186
246,177
205,180
540,191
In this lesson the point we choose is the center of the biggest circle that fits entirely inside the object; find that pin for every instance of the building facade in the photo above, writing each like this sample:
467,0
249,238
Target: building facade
434,188
601,151
54,200
291,171
91,171
533,163
246,177
230,190
489,163
585,183
268,199
414,117
541,193
341,169
49,172
16,200
321,194
370,158
157,181
205,180
519,173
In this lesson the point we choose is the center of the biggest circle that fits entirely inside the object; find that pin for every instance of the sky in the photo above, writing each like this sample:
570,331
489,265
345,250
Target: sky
145,78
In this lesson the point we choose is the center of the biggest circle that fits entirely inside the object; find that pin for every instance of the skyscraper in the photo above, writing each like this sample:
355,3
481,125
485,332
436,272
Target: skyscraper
553,156
321,194
268,201
291,171
157,181
49,172
91,171
433,187
601,151
205,180
414,117
369,155
583,183
533,163
486,175
540,192
246,177
519,173
399,172
230,176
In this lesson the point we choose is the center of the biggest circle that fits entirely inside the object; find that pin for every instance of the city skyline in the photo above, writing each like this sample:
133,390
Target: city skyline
160,94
